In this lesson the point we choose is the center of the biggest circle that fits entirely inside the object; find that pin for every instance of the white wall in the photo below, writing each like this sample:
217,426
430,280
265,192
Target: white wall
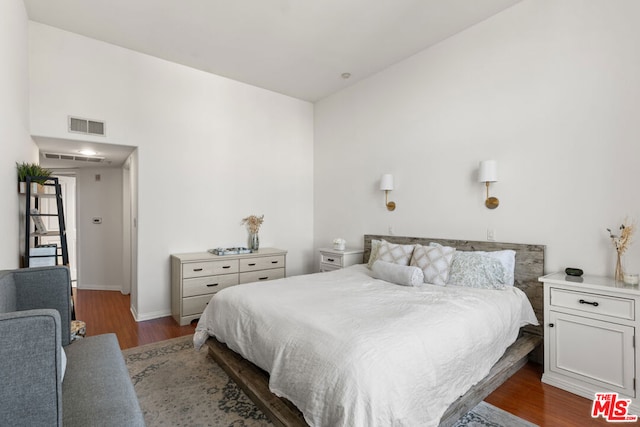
99,245
550,89
15,143
210,151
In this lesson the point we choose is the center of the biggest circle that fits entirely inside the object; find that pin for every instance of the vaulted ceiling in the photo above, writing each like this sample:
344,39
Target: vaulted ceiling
300,48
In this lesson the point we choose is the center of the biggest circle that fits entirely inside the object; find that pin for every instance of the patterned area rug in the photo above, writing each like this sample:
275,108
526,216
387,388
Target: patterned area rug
177,386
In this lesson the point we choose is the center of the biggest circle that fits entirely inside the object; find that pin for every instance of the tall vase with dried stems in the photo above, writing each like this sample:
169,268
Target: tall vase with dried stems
621,243
253,223
619,274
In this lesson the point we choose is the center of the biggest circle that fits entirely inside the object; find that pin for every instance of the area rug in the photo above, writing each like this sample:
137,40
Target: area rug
177,386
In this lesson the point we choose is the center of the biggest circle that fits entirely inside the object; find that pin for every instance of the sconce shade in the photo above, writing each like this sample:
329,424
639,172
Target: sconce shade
386,182
488,171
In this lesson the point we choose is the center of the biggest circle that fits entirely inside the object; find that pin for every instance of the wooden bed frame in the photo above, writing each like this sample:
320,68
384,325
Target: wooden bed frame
529,266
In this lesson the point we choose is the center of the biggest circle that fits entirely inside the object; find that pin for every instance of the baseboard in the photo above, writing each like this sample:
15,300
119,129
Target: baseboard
149,316
84,287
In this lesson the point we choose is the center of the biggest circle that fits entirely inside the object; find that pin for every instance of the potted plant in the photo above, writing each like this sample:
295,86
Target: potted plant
33,170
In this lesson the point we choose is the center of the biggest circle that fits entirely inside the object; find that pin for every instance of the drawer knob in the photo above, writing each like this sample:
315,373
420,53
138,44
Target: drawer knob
211,285
594,303
197,269
263,278
251,264
226,266
330,259
551,325
274,262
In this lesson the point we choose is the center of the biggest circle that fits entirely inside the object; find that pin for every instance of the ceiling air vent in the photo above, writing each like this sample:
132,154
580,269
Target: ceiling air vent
73,157
86,126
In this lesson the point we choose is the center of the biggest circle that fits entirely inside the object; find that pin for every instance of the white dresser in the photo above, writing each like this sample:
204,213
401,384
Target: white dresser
589,335
332,259
195,277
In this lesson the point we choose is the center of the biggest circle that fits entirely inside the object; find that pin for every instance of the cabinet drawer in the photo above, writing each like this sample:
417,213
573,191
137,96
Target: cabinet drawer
621,308
208,284
261,263
260,276
331,259
195,305
209,268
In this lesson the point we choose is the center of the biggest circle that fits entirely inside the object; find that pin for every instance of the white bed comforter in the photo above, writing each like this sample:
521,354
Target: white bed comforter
350,350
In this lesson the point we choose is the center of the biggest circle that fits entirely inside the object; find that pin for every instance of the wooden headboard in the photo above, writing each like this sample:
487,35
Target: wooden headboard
529,264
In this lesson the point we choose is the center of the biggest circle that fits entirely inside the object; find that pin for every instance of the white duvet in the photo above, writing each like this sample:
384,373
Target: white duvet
350,350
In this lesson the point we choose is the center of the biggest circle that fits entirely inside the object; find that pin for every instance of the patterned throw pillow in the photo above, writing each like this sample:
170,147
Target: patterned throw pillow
396,254
507,258
375,248
475,270
434,262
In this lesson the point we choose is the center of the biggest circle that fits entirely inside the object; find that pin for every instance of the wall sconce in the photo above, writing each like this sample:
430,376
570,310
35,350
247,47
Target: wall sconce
386,184
487,173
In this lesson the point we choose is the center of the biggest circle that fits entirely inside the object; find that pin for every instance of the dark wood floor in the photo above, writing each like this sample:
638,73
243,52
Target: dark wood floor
523,394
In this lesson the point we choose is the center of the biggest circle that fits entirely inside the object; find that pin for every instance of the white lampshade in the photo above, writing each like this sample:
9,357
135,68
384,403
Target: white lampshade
386,182
488,171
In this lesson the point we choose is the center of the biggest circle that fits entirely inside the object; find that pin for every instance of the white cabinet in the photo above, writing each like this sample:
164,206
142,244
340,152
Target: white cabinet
589,335
196,277
332,259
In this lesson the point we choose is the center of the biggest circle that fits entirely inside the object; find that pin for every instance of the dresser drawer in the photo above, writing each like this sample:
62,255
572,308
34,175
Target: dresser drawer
331,259
208,284
208,268
261,263
260,276
622,308
195,305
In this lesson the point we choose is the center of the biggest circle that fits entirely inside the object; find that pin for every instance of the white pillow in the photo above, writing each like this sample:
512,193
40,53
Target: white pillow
63,359
396,254
398,274
375,248
434,261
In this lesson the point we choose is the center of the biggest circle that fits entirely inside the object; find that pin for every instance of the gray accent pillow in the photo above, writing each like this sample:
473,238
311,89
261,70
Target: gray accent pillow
474,270
398,274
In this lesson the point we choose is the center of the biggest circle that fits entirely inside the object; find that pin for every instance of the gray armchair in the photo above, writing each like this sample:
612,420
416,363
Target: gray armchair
35,318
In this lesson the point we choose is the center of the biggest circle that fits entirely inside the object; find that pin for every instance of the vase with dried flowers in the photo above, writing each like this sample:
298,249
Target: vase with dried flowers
621,243
253,223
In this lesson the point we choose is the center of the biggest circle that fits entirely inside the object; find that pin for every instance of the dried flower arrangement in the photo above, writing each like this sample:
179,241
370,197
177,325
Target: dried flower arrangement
621,243
253,223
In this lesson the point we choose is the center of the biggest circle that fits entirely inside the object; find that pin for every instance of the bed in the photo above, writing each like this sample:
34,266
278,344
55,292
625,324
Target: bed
344,348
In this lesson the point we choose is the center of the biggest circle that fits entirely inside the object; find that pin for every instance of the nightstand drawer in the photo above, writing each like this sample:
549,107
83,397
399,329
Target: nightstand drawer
208,284
328,267
621,308
195,305
208,268
331,259
262,263
263,275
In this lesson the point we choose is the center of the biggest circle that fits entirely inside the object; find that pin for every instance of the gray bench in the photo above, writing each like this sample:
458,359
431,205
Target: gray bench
35,318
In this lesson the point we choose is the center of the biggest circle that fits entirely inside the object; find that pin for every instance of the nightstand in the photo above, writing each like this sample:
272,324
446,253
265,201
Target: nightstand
589,335
332,259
